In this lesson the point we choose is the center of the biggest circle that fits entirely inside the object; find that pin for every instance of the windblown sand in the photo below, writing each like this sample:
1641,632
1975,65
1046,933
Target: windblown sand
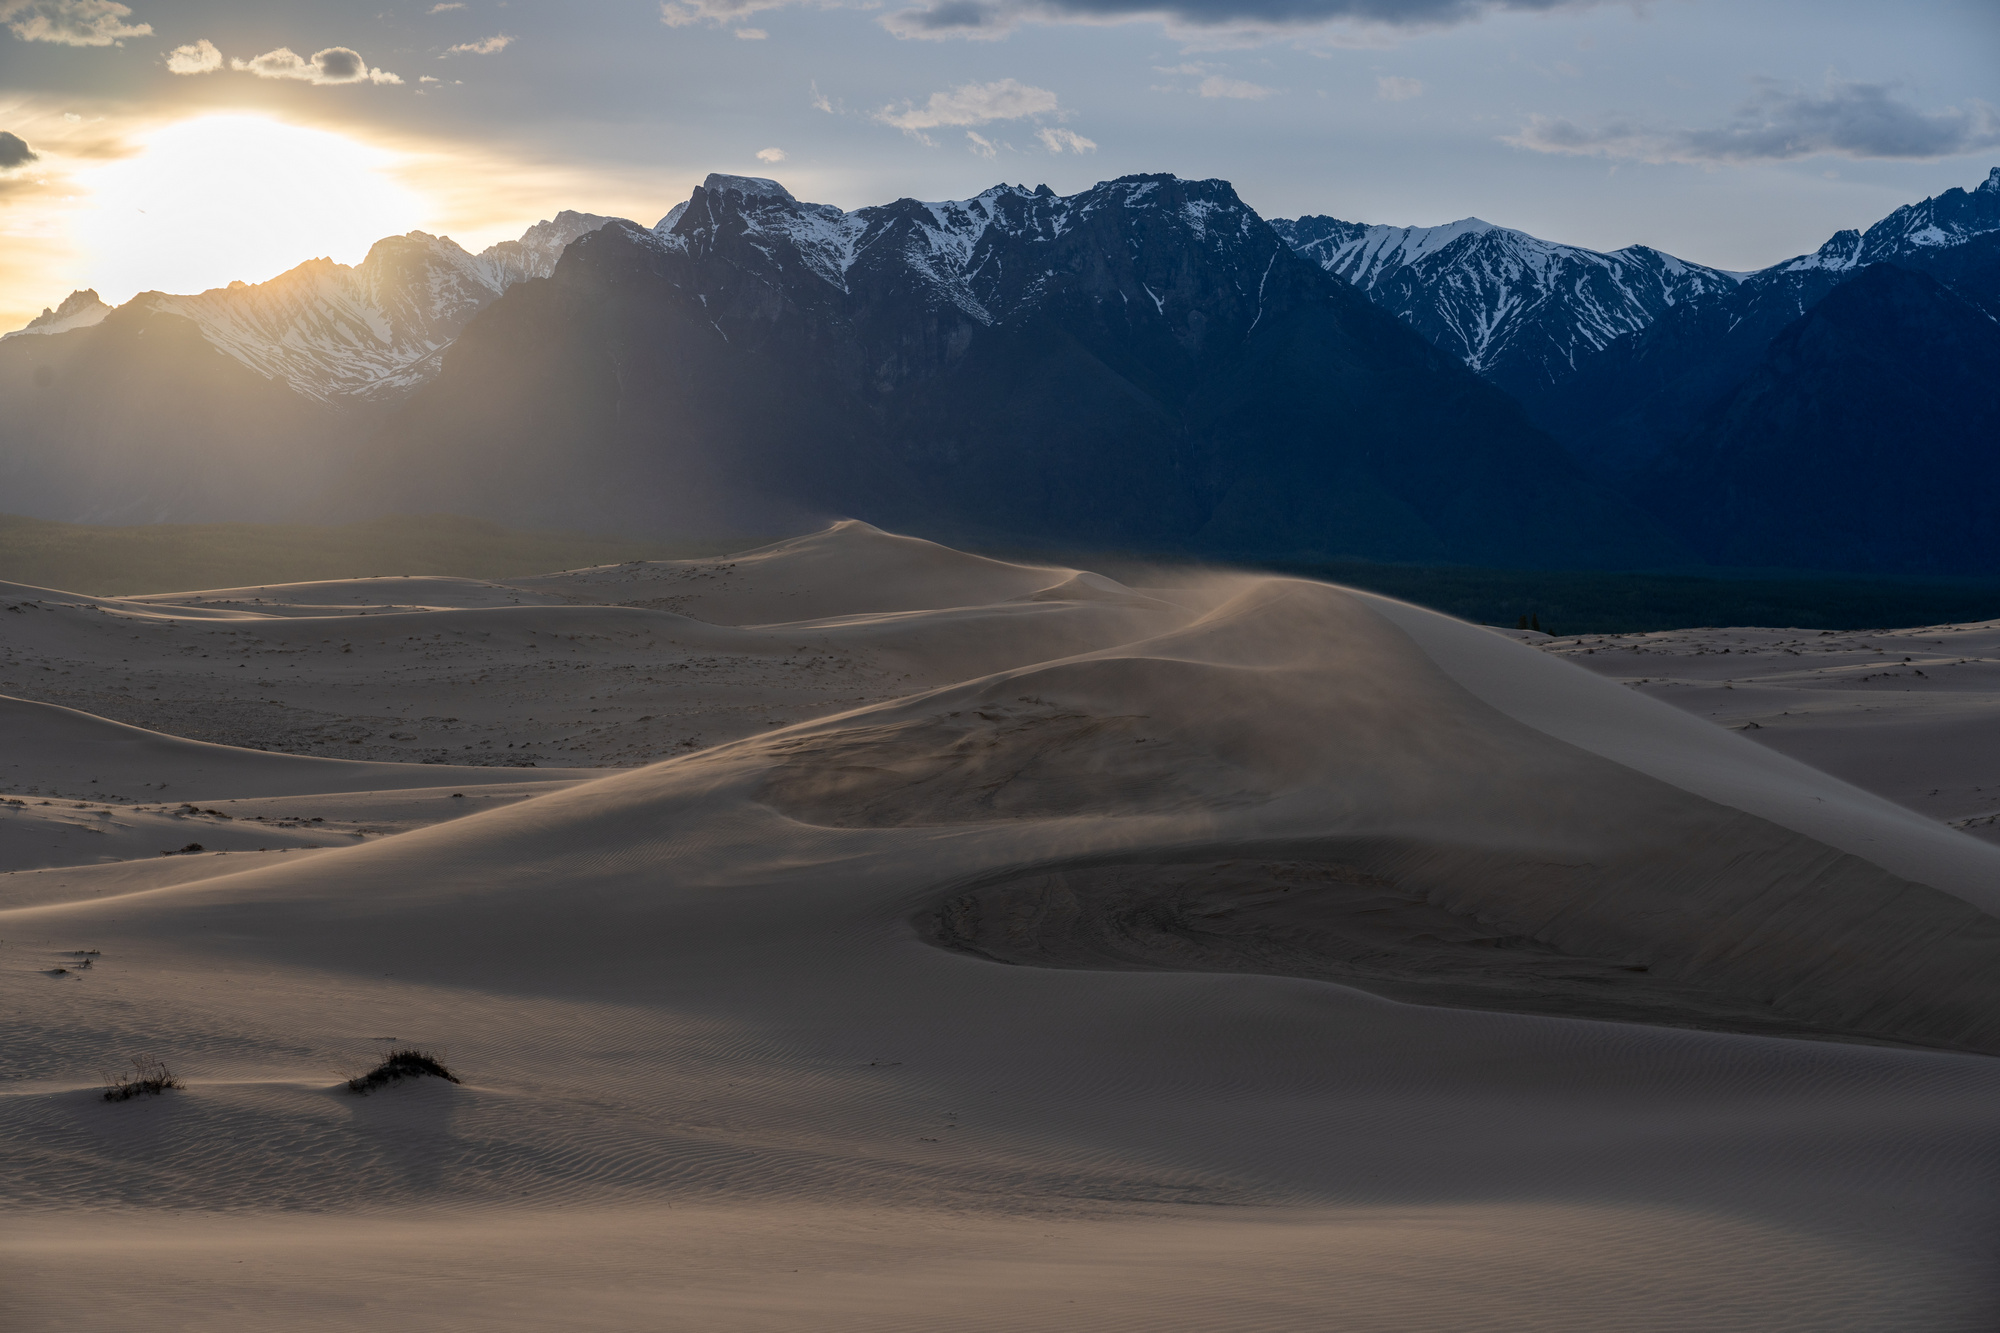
961,944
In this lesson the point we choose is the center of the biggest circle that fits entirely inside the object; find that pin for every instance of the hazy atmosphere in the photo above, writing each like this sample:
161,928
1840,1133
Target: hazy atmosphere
1734,135
999,665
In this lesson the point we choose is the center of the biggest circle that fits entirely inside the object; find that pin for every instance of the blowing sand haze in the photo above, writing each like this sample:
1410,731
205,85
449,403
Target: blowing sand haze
1012,948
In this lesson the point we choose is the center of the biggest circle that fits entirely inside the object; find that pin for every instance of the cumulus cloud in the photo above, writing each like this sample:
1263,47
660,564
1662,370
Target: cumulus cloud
1215,85
72,22
987,19
485,46
770,154
1057,140
195,58
14,151
972,104
1395,88
1779,124
336,64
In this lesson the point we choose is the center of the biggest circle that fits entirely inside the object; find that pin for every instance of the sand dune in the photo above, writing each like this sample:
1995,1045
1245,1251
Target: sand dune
1015,949
1910,714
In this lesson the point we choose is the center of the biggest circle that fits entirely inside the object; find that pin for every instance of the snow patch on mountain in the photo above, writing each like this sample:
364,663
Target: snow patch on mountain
79,310
953,248
1521,310
373,332
1946,219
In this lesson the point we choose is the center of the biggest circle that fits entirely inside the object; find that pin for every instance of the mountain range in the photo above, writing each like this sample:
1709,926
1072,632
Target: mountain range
1146,364
1521,311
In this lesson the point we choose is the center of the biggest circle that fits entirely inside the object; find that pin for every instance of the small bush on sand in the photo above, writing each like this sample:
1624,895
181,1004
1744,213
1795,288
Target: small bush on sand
149,1078
406,1063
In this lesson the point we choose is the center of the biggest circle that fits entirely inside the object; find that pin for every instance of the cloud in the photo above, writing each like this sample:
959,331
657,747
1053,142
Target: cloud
485,46
336,64
1395,88
1215,85
972,104
446,8
988,19
819,99
1778,124
981,145
195,58
722,13
751,34
968,20
72,22
1057,140
770,154
14,152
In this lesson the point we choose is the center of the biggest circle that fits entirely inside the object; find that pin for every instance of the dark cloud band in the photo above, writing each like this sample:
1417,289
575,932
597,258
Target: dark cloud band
1857,120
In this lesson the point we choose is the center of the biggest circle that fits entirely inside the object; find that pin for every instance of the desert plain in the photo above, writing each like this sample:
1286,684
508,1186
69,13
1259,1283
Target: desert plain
855,933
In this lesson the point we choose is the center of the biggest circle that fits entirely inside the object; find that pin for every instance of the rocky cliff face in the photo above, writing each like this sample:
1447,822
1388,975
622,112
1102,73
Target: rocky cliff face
367,335
1146,363
1521,311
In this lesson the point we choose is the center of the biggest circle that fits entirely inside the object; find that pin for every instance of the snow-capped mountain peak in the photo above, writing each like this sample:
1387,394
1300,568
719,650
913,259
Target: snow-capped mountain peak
369,333
954,247
79,310
1362,253
1945,219
1520,310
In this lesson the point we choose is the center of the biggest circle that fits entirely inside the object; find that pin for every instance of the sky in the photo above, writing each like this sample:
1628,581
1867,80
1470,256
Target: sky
181,146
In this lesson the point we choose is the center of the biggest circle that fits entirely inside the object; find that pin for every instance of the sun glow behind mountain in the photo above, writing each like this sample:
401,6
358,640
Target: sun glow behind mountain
225,197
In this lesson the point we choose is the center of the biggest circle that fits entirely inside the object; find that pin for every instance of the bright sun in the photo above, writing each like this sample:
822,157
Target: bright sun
223,197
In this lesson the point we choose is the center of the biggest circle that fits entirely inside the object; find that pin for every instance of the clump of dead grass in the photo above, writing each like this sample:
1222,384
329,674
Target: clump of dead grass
149,1078
409,1062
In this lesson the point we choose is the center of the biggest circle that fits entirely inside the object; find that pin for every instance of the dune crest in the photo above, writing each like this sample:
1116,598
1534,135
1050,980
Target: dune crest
1044,901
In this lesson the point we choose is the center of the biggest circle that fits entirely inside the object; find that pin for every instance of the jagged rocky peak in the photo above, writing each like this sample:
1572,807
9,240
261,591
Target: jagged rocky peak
1518,309
951,246
565,227
372,332
749,187
75,304
79,310
1945,219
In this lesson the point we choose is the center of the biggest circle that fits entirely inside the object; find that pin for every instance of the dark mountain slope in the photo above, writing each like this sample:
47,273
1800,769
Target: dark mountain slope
1867,437
1144,364
1521,311
141,419
1649,388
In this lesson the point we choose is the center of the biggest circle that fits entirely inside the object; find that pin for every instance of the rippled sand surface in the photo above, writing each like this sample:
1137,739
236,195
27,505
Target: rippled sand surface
982,946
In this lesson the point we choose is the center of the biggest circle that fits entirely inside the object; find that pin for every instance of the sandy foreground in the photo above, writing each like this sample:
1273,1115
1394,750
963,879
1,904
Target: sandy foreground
1911,714
974,945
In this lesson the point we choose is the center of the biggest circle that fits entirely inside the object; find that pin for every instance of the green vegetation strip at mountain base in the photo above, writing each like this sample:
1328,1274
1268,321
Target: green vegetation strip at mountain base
167,557
173,557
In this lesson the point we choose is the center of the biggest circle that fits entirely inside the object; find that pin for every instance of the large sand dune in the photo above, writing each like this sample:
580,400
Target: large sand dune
1013,949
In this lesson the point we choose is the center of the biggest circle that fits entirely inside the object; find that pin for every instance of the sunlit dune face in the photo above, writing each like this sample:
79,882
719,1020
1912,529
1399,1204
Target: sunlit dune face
219,198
